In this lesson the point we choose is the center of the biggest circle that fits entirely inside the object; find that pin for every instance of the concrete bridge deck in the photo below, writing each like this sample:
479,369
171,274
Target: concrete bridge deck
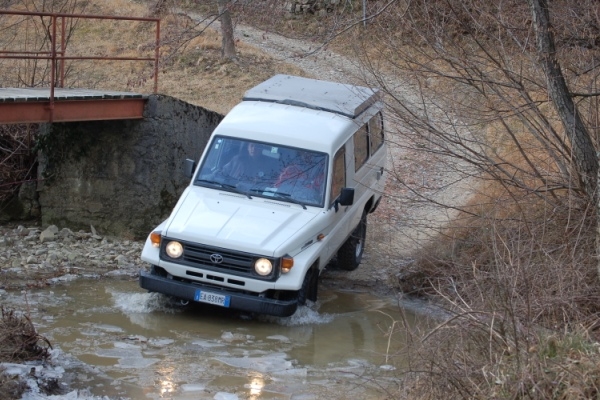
34,105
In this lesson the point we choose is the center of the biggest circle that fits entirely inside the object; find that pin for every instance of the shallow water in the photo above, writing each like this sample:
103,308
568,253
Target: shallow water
129,343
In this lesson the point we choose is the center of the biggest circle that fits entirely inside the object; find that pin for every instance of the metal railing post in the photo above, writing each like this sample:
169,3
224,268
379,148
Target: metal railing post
52,66
156,56
63,50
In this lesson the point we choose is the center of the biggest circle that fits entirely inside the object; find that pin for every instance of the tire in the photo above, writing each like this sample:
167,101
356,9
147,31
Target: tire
308,291
350,254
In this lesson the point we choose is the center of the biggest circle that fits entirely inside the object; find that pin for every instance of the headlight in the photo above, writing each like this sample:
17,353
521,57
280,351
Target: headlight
174,249
263,267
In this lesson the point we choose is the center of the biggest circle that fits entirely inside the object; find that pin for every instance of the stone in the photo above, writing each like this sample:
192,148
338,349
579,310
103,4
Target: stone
65,232
46,265
47,236
290,6
22,231
122,260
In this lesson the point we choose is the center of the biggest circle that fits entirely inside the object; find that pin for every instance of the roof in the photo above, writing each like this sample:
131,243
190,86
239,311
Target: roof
287,125
338,98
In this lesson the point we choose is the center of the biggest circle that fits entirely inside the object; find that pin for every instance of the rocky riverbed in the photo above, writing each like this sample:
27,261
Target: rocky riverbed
34,257
31,256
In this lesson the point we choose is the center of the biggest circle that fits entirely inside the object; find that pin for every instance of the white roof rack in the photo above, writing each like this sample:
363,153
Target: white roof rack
339,98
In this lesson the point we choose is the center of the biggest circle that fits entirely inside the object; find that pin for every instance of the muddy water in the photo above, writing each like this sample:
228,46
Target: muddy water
125,342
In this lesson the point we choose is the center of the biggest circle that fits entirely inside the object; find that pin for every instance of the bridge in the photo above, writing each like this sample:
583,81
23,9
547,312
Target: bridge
50,101
90,154
35,105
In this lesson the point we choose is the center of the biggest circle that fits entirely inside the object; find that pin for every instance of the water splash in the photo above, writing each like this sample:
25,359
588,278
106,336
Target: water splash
304,315
141,303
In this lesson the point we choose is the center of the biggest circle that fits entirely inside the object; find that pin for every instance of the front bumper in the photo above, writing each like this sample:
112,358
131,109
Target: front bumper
238,301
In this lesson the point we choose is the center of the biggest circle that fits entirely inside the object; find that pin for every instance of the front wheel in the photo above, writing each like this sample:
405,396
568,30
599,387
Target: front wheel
351,252
309,287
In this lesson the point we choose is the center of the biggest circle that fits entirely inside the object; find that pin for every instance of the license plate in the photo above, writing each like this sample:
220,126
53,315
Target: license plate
211,298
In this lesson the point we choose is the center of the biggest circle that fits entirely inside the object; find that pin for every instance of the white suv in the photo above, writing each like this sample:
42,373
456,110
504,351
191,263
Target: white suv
284,186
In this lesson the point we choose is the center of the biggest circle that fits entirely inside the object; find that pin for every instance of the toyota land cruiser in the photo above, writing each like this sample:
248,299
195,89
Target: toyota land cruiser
284,185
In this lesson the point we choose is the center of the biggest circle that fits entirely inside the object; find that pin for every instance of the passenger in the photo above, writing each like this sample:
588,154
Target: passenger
303,180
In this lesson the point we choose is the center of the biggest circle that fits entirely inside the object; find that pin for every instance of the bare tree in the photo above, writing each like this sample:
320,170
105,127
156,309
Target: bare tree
584,154
498,104
483,93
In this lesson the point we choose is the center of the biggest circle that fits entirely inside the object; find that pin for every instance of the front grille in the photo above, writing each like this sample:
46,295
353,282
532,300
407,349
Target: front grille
233,262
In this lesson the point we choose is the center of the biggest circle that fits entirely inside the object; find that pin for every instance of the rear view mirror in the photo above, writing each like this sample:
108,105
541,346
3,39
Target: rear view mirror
189,168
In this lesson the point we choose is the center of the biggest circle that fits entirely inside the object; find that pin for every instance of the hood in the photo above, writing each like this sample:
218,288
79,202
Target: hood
232,221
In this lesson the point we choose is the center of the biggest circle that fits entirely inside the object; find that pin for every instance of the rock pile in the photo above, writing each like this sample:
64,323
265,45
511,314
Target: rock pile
311,6
30,256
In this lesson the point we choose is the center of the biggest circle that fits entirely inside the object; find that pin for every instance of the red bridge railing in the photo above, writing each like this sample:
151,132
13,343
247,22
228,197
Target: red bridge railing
57,54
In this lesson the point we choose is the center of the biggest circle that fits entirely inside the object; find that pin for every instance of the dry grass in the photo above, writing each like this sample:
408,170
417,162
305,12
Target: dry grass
191,67
19,340
477,356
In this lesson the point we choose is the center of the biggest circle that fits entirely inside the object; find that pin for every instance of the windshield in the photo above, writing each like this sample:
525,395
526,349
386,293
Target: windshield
266,170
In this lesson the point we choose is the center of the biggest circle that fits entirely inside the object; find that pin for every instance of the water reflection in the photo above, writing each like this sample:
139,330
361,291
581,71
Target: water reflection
256,385
154,349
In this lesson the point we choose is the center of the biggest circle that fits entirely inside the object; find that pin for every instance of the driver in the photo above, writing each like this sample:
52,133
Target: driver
250,165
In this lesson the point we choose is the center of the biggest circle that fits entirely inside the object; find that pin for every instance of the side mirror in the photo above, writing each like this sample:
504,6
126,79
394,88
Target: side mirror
189,167
346,197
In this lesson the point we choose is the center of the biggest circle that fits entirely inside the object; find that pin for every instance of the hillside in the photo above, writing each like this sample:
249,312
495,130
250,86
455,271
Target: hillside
487,213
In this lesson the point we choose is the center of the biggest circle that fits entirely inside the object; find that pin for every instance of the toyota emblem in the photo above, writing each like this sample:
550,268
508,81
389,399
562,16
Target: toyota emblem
216,258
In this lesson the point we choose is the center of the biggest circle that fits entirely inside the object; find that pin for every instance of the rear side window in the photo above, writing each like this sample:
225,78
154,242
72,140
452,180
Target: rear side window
376,132
361,147
338,180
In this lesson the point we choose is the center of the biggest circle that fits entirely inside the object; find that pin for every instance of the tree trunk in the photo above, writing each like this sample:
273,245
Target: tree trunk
584,154
228,45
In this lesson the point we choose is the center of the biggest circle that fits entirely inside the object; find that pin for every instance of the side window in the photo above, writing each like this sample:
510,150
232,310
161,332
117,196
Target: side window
376,132
338,179
361,147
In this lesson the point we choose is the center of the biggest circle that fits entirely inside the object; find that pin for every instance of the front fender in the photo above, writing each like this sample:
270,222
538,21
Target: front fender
151,254
302,263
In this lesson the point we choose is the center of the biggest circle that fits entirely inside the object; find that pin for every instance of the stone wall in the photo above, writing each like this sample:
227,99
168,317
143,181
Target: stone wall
121,177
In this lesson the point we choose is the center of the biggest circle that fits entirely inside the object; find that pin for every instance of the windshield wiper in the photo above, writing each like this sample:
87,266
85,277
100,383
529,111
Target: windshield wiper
226,186
281,195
